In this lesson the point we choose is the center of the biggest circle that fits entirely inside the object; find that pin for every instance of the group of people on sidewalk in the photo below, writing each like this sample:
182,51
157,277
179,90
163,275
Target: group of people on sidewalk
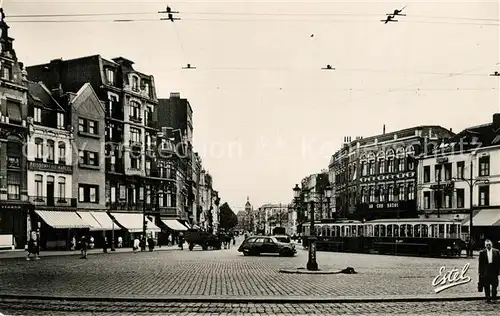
141,243
489,268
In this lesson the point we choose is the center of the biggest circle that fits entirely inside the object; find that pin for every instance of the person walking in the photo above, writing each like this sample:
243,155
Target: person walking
73,243
33,248
136,245
120,242
181,241
105,245
84,245
489,267
170,240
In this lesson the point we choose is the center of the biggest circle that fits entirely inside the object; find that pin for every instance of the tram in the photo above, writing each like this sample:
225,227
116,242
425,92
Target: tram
413,236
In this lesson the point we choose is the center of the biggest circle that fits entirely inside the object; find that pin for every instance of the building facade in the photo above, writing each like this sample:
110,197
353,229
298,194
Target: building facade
14,205
275,215
50,167
462,171
376,177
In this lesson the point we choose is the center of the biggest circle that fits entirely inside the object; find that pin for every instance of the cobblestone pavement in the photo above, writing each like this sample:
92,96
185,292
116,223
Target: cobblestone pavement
59,308
226,273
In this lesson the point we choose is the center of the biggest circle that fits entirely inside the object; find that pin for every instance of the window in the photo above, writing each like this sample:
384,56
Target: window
484,195
437,174
381,166
381,192
87,126
411,192
146,87
371,192
39,185
113,194
50,150
13,192
390,193
411,163
88,193
62,187
401,164
37,115
60,120
363,195
363,168
427,200
88,158
110,76
62,152
135,110
148,168
390,165
91,127
135,135
39,149
134,162
401,192
135,83
427,174
6,73
447,200
484,166
460,198
447,171
371,166
460,169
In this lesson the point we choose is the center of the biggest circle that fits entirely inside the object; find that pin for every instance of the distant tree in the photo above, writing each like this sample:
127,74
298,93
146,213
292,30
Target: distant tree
228,219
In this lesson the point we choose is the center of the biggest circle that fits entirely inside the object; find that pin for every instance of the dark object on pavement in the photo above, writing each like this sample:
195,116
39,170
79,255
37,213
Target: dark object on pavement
204,239
348,270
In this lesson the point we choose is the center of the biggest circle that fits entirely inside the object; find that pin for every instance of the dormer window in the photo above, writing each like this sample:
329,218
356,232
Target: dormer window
146,87
60,120
37,115
110,76
135,83
7,73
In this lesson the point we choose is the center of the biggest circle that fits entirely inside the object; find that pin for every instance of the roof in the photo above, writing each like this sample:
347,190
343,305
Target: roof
39,94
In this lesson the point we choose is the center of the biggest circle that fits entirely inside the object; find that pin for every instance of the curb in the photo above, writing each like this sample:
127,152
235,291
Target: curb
243,299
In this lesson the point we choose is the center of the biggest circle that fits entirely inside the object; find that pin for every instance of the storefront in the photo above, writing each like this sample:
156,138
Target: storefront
132,224
13,225
101,226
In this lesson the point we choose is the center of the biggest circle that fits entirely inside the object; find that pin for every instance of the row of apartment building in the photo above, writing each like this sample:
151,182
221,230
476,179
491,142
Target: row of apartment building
87,147
423,171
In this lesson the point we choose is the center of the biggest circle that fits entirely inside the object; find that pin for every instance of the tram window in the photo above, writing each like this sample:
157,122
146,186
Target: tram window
409,230
360,230
382,230
402,230
328,231
337,231
347,232
377,231
396,231
459,230
453,232
370,230
416,230
425,231
354,231
441,231
434,231
389,230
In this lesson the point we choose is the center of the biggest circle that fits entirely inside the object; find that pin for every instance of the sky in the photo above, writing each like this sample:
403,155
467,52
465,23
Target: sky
265,114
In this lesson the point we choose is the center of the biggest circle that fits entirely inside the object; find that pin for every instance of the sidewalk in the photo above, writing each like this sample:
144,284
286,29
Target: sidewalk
21,253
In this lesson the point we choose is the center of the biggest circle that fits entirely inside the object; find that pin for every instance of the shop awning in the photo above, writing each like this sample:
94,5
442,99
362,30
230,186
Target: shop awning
62,220
485,218
89,219
105,221
133,222
174,224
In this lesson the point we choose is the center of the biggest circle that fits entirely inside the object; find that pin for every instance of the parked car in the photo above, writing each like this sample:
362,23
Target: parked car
256,245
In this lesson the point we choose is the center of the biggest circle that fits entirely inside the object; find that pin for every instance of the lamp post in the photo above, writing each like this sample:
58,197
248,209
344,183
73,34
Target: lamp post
328,194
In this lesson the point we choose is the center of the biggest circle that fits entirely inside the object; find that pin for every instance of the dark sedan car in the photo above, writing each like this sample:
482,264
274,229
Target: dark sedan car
266,244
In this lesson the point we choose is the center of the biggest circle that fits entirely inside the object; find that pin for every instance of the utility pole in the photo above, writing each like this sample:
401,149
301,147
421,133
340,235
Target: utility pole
471,212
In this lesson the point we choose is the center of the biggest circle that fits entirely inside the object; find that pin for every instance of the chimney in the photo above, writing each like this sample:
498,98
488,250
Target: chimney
496,121
383,130
451,130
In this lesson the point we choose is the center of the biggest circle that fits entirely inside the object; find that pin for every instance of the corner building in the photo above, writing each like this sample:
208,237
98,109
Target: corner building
376,177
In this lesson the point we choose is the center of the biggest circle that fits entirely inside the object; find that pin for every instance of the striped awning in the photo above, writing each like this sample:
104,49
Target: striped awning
62,220
174,224
133,222
89,219
105,221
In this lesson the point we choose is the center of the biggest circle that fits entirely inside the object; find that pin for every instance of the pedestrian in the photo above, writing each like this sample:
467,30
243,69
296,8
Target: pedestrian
73,243
120,241
136,245
84,247
91,243
181,241
33,247
169,240
489,267
105,245
151,243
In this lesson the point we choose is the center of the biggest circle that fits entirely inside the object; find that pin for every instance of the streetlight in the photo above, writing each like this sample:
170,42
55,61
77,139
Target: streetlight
328,194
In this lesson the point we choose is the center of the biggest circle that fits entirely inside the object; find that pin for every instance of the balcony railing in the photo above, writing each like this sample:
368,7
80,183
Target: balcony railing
135,119
130,206
52,201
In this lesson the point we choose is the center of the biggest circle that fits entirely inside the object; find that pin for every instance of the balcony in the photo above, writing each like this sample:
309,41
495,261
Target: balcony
135,119
51,201
130,206
133,172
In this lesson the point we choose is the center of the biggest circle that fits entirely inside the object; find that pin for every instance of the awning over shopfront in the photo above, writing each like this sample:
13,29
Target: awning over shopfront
105,221
485,218
174,224
133,222
89,219
62,220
